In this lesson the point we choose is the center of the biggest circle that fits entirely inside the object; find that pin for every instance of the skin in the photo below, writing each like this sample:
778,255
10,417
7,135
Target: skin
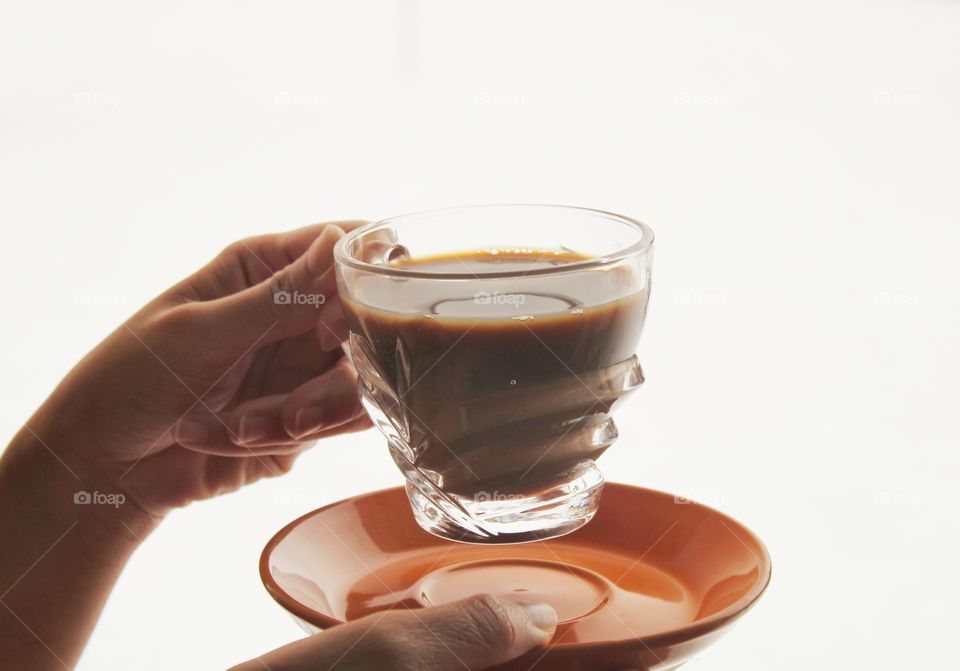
211,386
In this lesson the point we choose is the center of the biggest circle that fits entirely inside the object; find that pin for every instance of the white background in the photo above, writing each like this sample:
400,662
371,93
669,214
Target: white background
799,162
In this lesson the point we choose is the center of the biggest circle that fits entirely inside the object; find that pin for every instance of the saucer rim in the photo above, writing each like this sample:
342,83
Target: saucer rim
687,632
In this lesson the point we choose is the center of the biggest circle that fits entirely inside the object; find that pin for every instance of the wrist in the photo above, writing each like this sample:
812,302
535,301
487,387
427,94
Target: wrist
61,558
52,488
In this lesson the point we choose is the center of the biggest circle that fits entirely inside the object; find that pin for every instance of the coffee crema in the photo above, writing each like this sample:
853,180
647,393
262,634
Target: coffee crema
495,393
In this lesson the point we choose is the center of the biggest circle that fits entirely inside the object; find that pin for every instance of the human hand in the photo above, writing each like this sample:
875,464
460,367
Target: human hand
221,380
477,633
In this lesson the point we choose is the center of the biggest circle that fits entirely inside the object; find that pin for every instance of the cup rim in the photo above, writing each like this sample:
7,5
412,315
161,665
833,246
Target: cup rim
643,245
690,631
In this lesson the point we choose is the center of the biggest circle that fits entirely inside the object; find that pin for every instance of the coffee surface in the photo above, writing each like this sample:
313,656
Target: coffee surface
494,390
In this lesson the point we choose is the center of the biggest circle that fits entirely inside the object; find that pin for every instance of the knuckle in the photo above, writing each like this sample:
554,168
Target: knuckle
176,320
281,280
490,621
278,293
237,250
236,264
280,284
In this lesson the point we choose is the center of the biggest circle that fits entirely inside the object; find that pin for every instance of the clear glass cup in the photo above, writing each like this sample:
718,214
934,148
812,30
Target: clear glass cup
494,383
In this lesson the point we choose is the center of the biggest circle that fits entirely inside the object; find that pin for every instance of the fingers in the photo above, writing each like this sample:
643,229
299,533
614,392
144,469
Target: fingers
476,633
480,632
292,244
331,327
278,424
250,261
322,403
285,305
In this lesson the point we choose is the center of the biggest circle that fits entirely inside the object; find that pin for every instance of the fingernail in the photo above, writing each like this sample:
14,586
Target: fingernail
253,428
191,431
542,616
307,420
320,253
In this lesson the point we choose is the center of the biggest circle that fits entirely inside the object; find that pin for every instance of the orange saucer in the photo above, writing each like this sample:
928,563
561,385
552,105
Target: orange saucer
646,584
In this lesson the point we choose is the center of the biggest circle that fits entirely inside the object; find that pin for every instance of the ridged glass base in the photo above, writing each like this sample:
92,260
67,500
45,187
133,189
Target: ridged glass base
562,506
522,472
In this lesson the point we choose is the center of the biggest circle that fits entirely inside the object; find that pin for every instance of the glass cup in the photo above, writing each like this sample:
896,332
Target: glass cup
492,345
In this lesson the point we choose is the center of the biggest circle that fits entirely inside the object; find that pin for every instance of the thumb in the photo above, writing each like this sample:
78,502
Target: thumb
477,633
288,303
